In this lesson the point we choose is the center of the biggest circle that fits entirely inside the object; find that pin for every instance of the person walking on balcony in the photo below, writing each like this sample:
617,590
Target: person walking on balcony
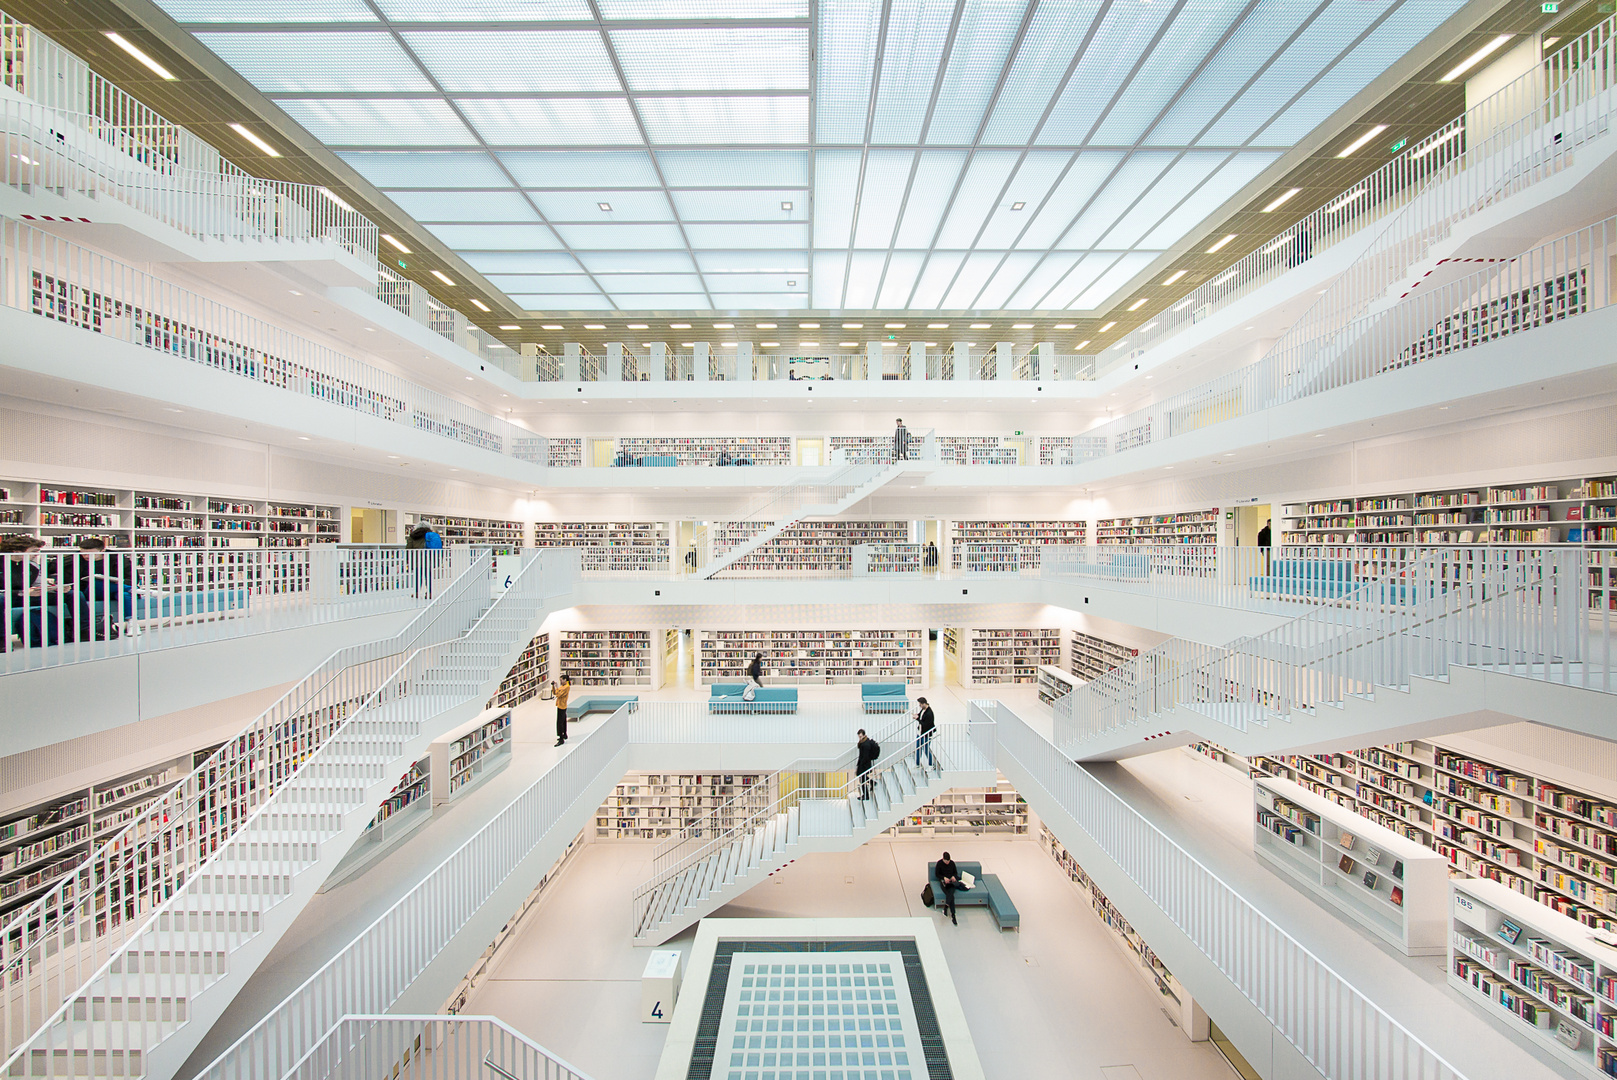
868,749
901,442
927,723
425,539
1264,537
561,690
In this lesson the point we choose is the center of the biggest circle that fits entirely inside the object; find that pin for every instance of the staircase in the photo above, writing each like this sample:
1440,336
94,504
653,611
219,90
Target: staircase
784,507
815,805
146,1007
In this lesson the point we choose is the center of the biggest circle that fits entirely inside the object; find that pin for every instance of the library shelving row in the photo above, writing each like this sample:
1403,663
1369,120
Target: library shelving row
868,449
606,657
1009,655
1395,887
63,514
814,656
1488,812
566,452
706,449
951,641
1557,298
1549,978
654,806
1091,656
469,753
1188,527
976,450
806,547
989,558
473,530
640,546
406,808
1576,510
887,558
1055,683
528,677
998,810
1028,535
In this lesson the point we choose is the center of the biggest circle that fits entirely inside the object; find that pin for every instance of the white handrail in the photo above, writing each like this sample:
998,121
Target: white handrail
423,1047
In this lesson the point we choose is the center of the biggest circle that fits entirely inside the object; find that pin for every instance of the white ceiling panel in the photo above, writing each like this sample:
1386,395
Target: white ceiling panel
663,262
1041,64
558,302
704,9
544,283
836,190
929,193
974,274
1189,38
1086,176
887,175
772,262
379,122
753,205
1029,186
1050,269
977,197
762,235
542,121
692,120
1082,275
764,283
1113,279
431,206
707,59
864,278
848,31
627,301
903,268
982,46
513,262
621,237
309,62
585,206
1218,189
1006,280
935,278
1179,181
830,272
763,301
483,10
267,11
470,238
555,266
1102,214
515,61
1124,34
650,283
585,170
735,168
916,32
417,169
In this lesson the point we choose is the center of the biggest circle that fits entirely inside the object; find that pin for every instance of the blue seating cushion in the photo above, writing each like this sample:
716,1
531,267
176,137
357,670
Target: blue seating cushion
585,706
173,605
977,896
727,697
999,903
883,689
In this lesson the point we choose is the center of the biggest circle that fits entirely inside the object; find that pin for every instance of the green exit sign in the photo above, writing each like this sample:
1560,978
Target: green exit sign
1549,9
1397,146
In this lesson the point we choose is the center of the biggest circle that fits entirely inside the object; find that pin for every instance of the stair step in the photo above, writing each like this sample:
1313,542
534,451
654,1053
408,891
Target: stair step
165,962
80,1062
793,824
139,1009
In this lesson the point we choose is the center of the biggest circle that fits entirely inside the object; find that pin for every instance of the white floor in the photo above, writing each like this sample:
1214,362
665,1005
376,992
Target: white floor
1057,999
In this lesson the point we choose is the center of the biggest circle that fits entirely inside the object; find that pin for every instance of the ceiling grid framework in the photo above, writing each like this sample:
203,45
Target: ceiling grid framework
634,155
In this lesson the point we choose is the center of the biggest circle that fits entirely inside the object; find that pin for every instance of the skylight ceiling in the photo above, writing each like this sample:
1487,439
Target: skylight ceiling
630,155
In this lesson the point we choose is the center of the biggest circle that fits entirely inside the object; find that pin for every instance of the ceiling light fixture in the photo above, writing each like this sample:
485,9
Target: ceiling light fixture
728,345
1022,326
255,140
594,326
1475,58
637,326
853,326
443,277
1137,305
1081,344
1175,276
129,47
982,326
937,326
1214,249
786,206
1279,201
1346,200
1361,140
724,326
1436,143
334,197
479,305
809,344
551,326
895,326
1107,327
808,326
687,344
402,250
1018,205
606,207
679,326
1066,326
847,344
509,326
765,325
1147,326
770,344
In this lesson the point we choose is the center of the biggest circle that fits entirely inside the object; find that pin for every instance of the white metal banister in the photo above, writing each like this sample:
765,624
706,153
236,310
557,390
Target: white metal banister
427,1048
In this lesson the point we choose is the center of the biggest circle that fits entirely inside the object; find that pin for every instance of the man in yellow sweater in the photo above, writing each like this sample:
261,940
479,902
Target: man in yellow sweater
561,690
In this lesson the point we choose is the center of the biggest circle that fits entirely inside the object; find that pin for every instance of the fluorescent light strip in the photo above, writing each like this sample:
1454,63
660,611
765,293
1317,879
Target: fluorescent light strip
1277,245
1175,276
1146,327
400,247
1476,58
441,276
1346,200
479,305
1279,202
1361,140
1081,344
1107,327
332,195
1214,249
1435,143
1137,305
133,50
255,140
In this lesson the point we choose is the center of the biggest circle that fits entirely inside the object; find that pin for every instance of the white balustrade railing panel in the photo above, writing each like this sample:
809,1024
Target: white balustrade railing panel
428,1048
1339,1030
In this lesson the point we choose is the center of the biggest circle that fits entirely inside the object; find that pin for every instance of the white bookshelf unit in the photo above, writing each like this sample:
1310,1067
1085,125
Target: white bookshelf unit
469,754
407,807
1009,655
887,558
528,677
804,657
1091,656
705,450
565,452
988,558
497,532
638,546
995,811
1055,683
807,547
1392,886
1026,536
1198,527
64,514
1546,976
606,657
969,449
654,806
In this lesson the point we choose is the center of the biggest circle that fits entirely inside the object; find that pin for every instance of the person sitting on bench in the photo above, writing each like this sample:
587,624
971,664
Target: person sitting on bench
949,877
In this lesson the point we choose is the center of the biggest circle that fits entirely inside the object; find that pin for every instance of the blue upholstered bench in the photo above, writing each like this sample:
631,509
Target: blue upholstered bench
883,697
1006,917
1307,577
662,461
988,892
180,605
584,706
726,698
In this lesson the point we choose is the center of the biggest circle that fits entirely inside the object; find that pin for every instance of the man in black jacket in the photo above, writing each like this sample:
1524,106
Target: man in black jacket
868,749
923,741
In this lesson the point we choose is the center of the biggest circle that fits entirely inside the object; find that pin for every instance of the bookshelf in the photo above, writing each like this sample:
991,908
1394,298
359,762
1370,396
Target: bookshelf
606,657
1546,977
1543,302
466,755
1189,527
705,450
1055,683
618,546
801,657
995,811
64,514
869,449
654,806
1220,755
1091,657
1028,536
471,530
972,450
528,677
565,452
807,547
988,558
887,558
951,641
1010,655
1395,887
1056,450
407,807
1489,815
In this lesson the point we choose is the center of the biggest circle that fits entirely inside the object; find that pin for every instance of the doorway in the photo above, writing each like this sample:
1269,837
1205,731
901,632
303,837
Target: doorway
1023,448
368,525
1248,520
602,452
810,452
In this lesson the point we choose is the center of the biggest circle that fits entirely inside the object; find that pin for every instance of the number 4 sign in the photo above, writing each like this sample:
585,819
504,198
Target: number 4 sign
659,986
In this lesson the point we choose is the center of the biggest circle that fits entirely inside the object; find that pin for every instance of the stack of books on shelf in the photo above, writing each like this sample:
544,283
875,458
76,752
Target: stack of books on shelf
706,449
806,547
472,530
566,452
606,657
529,676
1012,655
1027,536
1091,656
411,788
1055,683
616,546
1197,527
469,754
814,656
655,806
970,449
887,558
968,812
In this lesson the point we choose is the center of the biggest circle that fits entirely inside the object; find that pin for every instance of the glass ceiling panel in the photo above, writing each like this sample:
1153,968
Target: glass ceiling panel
916,32
701,60
465,206
929,194
375,122
764,301
1189,38
830,271
600,262
730,283
1058,28
934,280
1113,279
1029,186
621,237
725,119
864,276
735,168
1179,182
1124,33
516,61
510,262
559,303
846,62
1088,173
974,274
661,302
1006,279
1137,174
496,237
773,262
585,206
747,236
982,45
543,283
314,62
483,10
396,169
704,9
1082,275
583,169
742,205
1221,187
887,174
903,267
836,183
540,121
1050,269
650,283
267,11
978,195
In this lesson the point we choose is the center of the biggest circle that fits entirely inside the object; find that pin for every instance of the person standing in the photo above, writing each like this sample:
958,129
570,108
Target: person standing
901,442
949,877
561,690
923,740
868,749
1263,544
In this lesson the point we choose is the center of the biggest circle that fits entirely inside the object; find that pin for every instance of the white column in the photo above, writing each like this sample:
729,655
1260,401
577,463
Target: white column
614,361
873,361
659,361
744,361
699,361
917,361
570,362
1003,359
1045,352
528,368
962,362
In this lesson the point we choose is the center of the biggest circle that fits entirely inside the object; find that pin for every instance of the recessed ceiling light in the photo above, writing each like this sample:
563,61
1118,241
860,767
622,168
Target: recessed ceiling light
1220,244
1022,326
1279,201
594,326
637,326
334,197
550,326
785,206
1081,344
1469,62
294,292
728,345
393,457
1147,326
469,378
982,326
1175,276
809,344
1321,435
394,241
1018,205
305,438
606,207
1137,305
930,344
370,329
129,47
255,140
679,326
1107,327
1361,140
937,326
724,326
847,344
479,305
765,325
687,344
1066,326
808,326
769,344
443,277
509,326
895,326
853,326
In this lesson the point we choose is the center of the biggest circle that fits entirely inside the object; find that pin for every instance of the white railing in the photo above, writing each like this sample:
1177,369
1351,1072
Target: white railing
57,279
410,299
370,973
1339,1030
69,606
1558,280
427,1048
